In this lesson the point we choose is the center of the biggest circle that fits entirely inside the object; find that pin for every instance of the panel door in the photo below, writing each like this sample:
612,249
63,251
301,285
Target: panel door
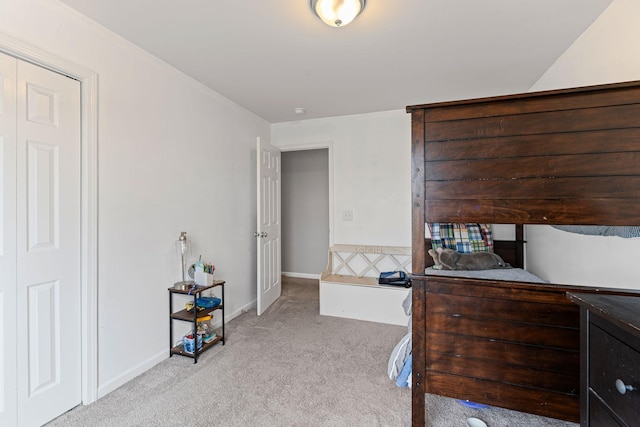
269,226
48,244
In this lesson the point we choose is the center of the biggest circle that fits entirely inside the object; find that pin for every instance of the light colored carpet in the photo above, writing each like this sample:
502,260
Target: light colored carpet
288,367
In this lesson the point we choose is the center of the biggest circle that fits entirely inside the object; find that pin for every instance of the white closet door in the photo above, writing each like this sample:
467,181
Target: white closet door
48,244
7,240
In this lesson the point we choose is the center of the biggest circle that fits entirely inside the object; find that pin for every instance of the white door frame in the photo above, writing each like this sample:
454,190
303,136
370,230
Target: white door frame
89,198
314,146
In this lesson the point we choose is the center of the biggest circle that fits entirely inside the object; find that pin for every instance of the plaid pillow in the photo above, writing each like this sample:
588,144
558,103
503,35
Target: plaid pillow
464,238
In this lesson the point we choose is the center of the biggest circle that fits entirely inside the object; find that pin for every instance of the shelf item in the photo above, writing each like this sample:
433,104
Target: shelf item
195,317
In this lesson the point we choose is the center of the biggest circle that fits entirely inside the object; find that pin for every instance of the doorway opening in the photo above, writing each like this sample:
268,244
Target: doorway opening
306,211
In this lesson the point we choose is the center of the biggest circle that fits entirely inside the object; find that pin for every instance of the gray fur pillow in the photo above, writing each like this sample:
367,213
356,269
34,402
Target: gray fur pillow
448,259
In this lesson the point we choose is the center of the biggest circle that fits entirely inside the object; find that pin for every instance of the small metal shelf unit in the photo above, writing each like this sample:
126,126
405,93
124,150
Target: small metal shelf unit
186,316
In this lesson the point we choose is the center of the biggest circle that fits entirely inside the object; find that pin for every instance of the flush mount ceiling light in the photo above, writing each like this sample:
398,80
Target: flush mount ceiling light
337,13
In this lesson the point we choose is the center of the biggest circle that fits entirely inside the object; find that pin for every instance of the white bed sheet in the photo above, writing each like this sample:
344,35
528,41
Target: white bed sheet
509,274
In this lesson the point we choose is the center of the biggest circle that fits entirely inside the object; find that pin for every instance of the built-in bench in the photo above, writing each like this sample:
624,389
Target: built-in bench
349,285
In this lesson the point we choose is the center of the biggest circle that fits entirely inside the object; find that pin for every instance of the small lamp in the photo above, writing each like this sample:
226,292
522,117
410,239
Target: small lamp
183,246
337,13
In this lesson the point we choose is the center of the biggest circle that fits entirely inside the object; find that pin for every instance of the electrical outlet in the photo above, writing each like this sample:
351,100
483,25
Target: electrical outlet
347,216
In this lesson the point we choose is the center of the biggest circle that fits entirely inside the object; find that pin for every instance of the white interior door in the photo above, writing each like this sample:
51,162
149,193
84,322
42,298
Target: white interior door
8,377
268,234
45,180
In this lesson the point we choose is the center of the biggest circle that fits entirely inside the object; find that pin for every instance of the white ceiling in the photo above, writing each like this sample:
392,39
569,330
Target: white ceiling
271,56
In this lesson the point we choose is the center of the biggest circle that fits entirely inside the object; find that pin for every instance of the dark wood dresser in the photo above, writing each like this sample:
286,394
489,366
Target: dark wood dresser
610,359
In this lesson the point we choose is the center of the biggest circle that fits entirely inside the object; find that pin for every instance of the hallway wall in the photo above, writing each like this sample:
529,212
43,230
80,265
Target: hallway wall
305,211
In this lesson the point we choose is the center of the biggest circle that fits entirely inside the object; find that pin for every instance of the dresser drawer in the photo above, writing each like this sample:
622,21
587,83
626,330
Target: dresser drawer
599,416
611,360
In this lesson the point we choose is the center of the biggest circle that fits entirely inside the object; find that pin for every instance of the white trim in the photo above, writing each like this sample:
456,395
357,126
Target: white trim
242,310
160,356
301,275
315,146
89,193
130,374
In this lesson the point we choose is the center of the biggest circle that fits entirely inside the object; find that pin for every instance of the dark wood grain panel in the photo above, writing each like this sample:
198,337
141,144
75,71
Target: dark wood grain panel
617,140
532,102
519,248
536,211
552,359
417,194
509,252
497,370
504,331
598,415
418,331
609,351
494,289
557,188
549,293
541,402
548,167
612,359
569,156
517,311
577,120
617,308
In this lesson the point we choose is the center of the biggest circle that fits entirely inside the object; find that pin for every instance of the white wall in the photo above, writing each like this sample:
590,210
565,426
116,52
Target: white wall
176,156
372,163
173,156
608,52
305,212
371,173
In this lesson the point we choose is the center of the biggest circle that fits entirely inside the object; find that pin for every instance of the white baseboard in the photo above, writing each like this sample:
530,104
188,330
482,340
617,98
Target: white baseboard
301,275
128,375
145,365
244,309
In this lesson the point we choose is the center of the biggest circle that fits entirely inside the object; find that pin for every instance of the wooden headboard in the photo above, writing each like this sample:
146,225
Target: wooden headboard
568,156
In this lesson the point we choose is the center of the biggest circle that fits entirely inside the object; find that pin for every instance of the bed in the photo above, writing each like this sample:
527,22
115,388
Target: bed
563,157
